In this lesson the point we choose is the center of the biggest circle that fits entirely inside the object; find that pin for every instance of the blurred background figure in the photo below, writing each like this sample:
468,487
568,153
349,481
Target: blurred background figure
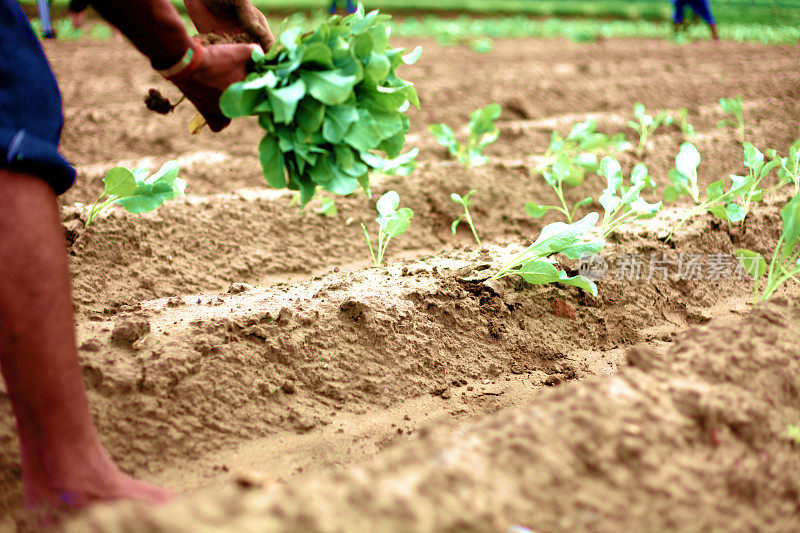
350,7
77,15
701,8
47,24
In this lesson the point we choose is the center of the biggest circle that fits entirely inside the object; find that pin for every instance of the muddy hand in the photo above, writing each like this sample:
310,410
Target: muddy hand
230,17
220,66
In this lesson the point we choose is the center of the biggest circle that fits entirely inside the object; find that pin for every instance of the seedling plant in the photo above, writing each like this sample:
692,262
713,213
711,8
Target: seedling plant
580,148
536,265
392,221
464,201
718,201
623,204
734,107
482,133
646,125
328,100
789,167
137,191
785,263
683,123
556,176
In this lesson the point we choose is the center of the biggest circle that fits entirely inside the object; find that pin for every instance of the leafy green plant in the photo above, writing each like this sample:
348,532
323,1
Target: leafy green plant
682,121
622,203
645,125
580,148
556,176
718,201
733,106
785,263
328,207
328,100
392,221
464,201
758,169
137,191
536,265
482,133
789,167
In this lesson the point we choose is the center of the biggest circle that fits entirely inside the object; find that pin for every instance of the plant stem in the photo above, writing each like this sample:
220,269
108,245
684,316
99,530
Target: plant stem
468,218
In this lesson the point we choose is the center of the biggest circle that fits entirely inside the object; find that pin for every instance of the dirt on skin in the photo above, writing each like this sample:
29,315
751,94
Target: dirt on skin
228,333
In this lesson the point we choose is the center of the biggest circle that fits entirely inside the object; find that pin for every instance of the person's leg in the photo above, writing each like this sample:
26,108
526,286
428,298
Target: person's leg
332,9
64,465
703,10
351,7
677,15
44,15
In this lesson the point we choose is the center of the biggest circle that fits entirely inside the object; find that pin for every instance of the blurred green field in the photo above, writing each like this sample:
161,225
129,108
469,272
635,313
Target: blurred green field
765,12
468,21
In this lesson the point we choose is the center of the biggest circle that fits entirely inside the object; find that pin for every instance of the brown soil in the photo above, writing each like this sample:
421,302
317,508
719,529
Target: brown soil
228,335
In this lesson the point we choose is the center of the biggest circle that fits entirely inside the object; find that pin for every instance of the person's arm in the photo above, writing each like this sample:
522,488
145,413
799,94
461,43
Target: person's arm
201,73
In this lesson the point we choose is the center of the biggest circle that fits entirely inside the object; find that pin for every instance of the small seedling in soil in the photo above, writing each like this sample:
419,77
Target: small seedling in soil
645,125
785,263
788,167
683,123
535,264
482,133
718,202
392,221
138,192
464,201
622,203
733,106
556,176
580,147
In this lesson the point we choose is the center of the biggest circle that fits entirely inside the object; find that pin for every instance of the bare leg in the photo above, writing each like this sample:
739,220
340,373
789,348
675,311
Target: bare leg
64,465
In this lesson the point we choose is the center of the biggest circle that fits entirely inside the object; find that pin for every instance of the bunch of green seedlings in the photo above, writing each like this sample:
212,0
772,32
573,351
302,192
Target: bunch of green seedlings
392,221
785,263
482,133
464,201
734,107
536,263
580,148
568,160
621,203
645,125
788,167
327,100
137,191
718,201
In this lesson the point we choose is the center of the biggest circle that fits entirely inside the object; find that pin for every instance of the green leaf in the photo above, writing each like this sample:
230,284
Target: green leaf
735,212
413,56
331,87
612,172
364,134
687,160
398,222
387,204
119,181
715,189
284,101
753,158
538,272
578,281
310,114
537,210
272,162
338,120
752,262
790,214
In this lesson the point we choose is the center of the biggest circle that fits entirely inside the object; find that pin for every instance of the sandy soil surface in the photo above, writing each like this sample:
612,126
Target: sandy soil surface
229,340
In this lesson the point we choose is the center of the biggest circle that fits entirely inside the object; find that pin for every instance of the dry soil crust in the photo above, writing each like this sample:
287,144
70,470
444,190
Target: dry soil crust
198,364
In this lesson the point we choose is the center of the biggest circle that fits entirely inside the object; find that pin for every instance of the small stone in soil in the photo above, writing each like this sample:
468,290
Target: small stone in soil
288,387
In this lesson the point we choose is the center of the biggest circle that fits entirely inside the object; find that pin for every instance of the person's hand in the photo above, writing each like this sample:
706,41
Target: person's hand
230,17
219,67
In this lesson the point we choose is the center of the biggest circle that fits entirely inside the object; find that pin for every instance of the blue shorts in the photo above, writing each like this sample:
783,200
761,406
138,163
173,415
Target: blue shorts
701,7
31,117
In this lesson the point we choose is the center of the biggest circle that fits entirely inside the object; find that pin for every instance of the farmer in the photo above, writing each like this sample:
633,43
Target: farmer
64,464
349,7
701,8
